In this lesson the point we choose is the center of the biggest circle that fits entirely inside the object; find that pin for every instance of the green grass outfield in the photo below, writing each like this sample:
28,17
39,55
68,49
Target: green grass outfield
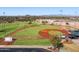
30,36
32,42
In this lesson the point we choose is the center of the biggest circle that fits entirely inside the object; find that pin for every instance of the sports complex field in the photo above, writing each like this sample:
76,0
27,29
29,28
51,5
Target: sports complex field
26,34
34,34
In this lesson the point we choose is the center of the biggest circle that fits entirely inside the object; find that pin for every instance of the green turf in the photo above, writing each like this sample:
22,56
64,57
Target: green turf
6,28
32,32
35,30
32,42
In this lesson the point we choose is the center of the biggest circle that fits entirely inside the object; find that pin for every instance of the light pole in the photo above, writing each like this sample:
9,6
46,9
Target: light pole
4,22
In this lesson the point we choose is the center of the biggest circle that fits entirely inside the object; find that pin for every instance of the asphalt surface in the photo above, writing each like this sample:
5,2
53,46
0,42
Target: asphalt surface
23,50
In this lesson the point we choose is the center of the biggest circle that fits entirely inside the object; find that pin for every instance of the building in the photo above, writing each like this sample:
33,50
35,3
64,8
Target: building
47,21
58,22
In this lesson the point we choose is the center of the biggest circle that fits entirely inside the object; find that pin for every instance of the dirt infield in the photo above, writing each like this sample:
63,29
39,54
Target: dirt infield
45,33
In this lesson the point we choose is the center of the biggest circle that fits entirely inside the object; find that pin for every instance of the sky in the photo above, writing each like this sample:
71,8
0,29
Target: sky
15,11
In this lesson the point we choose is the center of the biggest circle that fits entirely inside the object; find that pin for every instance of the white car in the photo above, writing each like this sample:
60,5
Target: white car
63,37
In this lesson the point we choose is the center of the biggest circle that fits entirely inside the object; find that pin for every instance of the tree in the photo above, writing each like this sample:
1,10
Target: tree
30,21
56,42
44,22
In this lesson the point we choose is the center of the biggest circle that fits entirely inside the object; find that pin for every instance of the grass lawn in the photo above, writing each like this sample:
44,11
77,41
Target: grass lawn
36,29
32,42
29,36
6,28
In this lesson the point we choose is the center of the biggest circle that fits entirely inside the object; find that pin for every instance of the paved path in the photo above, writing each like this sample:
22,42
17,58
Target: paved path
23,46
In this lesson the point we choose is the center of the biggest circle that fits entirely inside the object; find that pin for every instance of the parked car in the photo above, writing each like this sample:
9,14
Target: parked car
74,34
63,37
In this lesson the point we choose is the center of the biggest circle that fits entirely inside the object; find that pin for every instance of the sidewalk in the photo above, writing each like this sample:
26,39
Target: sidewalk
22,46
